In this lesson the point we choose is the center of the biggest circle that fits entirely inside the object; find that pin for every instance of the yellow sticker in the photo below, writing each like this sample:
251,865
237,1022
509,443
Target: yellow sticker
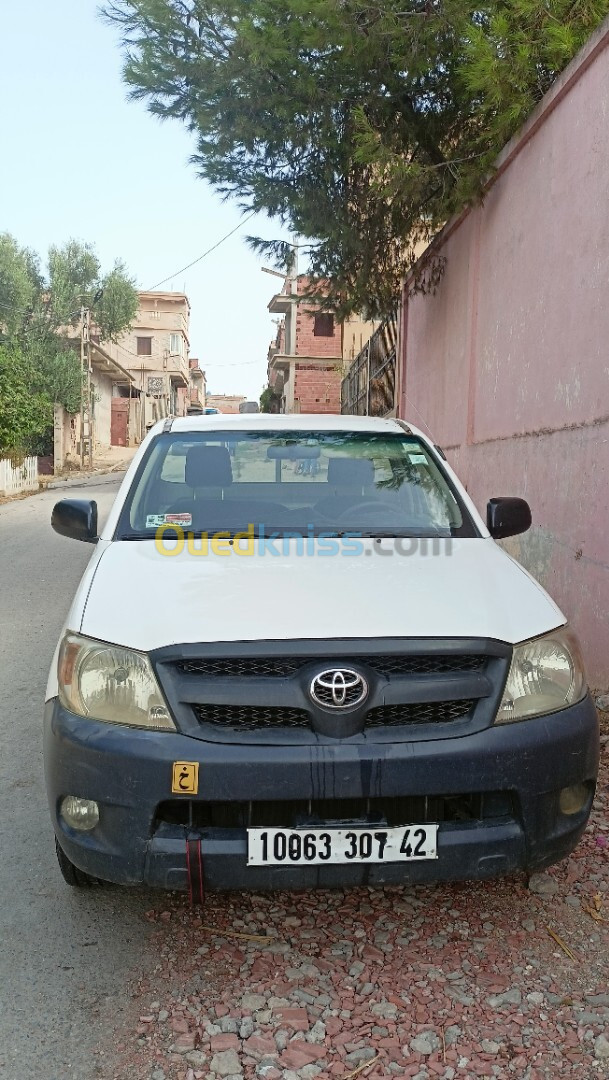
185,778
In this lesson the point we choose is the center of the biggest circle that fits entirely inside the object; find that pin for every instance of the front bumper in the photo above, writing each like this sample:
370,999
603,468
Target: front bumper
128,772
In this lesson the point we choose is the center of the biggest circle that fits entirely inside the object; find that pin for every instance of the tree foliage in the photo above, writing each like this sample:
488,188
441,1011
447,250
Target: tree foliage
39,319
76,281
361,126
269,401
25,412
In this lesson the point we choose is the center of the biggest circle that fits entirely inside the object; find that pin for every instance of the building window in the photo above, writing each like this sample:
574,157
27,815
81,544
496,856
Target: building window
175,344
323,326
144,346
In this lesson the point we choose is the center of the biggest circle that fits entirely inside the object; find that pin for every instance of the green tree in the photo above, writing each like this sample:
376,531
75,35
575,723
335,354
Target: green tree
117,302
269,401
362,126
20,284
75,281
25,412
39,320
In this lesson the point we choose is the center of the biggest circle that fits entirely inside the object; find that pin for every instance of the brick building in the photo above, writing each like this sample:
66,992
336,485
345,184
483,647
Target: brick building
306,357
311,351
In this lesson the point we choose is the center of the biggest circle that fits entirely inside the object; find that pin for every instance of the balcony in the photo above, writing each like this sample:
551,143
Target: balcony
282,303
177,368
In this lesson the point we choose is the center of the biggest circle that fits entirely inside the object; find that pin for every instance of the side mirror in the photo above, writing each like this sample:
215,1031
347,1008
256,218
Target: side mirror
76,518
507,517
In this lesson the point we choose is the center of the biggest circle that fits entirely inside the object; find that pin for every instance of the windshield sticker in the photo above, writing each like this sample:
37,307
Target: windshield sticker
418,459
153,521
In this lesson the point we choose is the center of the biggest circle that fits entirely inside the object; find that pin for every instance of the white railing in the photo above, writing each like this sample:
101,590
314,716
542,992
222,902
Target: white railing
17,478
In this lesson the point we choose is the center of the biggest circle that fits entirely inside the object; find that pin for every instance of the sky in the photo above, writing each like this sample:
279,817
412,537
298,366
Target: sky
79,160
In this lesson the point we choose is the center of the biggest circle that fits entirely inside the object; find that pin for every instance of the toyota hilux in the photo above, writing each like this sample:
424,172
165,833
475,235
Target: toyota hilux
299,658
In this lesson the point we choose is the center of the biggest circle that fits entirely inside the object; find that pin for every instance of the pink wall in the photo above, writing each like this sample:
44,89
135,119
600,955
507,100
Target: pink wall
508,363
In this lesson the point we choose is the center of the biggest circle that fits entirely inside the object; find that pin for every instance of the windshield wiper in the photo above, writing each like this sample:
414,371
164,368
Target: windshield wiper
404,534
137,536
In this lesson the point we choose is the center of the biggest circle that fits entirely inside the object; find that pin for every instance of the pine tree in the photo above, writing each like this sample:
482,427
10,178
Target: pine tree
361,126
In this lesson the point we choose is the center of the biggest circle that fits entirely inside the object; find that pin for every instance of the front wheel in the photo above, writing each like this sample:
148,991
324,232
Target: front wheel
78,879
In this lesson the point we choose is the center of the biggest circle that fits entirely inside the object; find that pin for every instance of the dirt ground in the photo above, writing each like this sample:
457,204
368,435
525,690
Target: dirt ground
498,979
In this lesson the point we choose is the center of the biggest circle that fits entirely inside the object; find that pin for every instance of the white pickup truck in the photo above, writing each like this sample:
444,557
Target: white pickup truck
283,677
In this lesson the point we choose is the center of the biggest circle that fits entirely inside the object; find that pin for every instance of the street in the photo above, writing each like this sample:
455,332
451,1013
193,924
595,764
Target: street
65,954
456,981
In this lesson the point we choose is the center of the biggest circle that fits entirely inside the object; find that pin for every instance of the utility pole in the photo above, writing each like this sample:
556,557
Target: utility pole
86,432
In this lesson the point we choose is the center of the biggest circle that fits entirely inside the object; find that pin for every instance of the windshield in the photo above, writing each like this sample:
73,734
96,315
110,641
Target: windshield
306,482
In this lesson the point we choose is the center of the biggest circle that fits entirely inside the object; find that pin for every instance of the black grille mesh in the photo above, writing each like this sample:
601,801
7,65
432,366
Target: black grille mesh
283,667
252,718
256,718
421,712
244,667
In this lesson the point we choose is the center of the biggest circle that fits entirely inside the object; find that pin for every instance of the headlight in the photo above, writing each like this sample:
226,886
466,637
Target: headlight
546,674
107,682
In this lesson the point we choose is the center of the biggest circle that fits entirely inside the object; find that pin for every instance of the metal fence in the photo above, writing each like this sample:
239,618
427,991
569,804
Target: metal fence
368,388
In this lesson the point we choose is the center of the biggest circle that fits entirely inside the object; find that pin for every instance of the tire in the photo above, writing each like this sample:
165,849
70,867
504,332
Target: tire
78,879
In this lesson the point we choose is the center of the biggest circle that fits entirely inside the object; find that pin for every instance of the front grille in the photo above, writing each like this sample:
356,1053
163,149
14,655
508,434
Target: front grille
425,665
252,718
299,813
244,667
421,712
283,667
257,718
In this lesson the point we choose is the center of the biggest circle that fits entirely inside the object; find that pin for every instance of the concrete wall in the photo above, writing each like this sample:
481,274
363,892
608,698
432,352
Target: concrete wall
508,363
102,387
356,332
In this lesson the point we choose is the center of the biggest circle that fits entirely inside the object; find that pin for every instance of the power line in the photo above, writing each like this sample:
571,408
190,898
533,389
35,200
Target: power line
240,363
205,253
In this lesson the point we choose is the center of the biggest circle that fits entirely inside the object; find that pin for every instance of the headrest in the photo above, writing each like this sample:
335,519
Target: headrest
208,466
350,472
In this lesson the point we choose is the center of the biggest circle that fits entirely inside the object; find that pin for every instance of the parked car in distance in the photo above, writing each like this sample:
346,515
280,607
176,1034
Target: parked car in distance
249,407
274,676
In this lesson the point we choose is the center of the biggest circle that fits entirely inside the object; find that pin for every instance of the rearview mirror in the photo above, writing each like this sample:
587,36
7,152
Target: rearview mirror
294,452
507,517
76,518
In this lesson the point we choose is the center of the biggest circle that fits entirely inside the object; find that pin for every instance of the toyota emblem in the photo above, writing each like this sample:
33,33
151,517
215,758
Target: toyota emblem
338,688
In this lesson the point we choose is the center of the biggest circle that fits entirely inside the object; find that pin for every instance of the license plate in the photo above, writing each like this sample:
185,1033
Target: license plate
289,847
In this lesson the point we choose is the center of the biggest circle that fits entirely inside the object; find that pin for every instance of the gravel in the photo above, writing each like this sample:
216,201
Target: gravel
478,987
544,884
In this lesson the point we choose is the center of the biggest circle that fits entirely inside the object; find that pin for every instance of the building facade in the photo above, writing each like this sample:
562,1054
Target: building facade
226,403
155,352
305,360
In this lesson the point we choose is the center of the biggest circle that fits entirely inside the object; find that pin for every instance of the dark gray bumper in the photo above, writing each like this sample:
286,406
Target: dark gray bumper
128,772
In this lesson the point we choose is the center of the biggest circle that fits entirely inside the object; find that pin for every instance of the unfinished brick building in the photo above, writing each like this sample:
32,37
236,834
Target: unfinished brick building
306,357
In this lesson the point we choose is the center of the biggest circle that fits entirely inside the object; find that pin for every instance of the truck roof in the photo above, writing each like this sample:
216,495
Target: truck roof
288,422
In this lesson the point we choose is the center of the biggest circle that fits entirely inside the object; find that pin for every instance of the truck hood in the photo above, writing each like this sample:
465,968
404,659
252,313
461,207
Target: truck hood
145,600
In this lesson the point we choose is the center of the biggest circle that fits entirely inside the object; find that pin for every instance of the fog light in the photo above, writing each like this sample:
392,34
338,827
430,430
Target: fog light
79,814
573,799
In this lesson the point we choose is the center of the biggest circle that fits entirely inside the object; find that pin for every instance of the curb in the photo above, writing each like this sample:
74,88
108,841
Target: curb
81,481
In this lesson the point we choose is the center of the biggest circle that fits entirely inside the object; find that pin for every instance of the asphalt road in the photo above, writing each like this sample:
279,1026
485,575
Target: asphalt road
65,954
